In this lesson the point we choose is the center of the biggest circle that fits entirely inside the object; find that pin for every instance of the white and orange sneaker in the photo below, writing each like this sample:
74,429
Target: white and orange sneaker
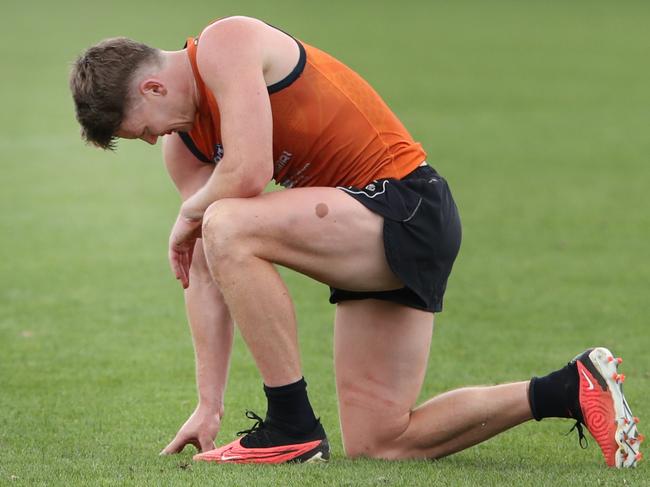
265,444
604,410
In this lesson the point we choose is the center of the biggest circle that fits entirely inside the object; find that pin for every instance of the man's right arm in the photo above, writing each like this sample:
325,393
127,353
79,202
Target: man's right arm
210,321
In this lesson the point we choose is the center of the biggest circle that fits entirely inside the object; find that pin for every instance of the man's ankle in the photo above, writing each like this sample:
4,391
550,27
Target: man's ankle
289,408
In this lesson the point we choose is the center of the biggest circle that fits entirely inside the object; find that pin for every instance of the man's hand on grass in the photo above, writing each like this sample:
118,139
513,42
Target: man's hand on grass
199,430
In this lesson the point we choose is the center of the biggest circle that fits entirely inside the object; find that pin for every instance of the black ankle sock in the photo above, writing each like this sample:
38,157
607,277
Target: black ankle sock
556,394
289,408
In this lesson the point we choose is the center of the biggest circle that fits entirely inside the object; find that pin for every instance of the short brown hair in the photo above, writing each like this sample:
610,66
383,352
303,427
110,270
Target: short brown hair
100,81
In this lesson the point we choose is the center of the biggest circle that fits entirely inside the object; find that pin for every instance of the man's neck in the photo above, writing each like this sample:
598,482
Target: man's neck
177,67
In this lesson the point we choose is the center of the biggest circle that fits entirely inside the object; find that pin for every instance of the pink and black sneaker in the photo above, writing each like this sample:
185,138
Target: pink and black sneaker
602,408
264,443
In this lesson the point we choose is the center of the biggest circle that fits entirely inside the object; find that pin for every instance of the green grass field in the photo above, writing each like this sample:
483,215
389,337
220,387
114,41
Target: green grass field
537,114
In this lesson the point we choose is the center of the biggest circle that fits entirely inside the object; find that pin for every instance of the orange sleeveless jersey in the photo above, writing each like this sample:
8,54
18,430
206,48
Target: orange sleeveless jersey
330,127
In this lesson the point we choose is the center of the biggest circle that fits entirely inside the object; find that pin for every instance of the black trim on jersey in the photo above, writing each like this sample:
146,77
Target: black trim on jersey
189,143
274,88
293,75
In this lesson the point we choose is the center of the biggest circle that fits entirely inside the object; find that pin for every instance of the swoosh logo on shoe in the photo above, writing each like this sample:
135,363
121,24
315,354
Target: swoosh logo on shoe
226,457
591,384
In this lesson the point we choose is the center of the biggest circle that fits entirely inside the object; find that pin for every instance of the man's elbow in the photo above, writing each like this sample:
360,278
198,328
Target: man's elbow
255,187
255,180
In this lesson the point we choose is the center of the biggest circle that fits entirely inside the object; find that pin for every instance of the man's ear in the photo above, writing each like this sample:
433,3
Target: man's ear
153,87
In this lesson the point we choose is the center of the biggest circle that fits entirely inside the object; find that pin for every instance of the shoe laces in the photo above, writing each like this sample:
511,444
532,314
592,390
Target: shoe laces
259,436
582,439
259,424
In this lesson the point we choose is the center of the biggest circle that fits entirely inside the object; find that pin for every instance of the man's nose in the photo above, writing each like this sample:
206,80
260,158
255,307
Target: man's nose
150,139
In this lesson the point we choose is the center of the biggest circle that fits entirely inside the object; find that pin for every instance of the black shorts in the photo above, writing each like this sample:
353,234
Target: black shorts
422,235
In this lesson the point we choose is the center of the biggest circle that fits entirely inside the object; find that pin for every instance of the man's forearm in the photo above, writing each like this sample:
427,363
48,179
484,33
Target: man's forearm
227,182
212,334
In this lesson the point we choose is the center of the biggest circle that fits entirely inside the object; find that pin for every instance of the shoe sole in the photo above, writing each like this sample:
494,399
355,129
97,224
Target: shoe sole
318,458
320,454
627,435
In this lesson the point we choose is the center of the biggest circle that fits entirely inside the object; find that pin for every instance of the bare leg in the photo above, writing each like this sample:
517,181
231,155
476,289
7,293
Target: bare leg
381,352
264,313
340,244
458,419
381,348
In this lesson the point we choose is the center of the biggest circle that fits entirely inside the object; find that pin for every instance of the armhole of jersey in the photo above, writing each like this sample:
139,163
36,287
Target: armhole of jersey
294,74
274,88
291,77
189,143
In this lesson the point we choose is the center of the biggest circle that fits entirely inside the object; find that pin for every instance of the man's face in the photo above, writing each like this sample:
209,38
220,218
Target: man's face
155,111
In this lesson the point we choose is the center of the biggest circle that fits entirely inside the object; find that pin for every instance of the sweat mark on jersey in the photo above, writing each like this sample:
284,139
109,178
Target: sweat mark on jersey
322,210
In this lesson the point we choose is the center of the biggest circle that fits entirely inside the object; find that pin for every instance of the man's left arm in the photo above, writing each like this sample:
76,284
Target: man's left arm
236,77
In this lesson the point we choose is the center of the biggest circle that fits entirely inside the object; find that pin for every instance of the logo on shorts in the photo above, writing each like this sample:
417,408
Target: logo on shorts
218,153
371,187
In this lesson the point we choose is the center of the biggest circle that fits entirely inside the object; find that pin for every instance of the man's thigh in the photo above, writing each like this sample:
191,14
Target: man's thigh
321,232
381,351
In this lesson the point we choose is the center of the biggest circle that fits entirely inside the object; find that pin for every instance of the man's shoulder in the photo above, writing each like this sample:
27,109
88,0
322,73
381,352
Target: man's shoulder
228,42
236,47
239,28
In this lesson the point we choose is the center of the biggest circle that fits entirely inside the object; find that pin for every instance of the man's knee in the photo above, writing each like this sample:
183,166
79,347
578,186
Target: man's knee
226,233
372,446
372,424
361,448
